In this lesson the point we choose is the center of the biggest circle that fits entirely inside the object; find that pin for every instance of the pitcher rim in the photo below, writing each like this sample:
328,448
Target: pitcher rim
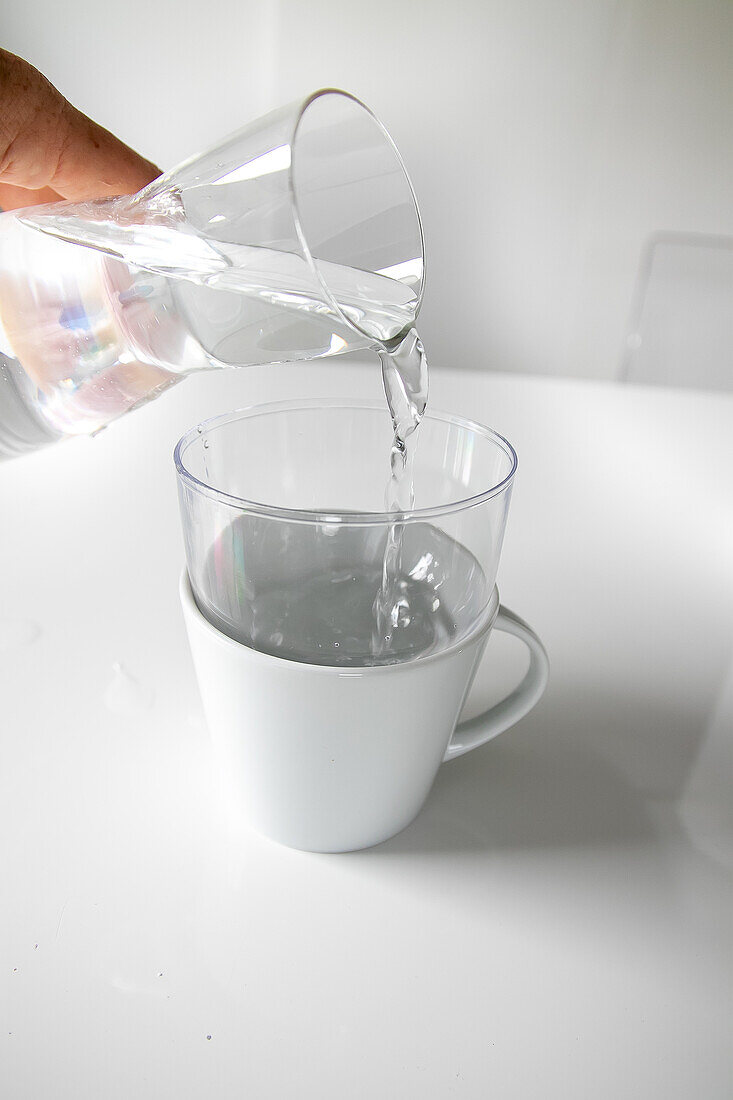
303,106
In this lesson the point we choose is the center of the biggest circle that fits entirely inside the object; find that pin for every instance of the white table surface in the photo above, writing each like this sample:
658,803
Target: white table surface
556,923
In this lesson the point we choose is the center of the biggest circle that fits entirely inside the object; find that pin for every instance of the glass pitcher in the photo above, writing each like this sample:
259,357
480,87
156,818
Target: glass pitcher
295,238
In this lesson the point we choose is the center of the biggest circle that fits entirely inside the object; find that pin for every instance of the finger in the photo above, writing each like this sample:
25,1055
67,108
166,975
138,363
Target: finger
95,164
15,198
45,142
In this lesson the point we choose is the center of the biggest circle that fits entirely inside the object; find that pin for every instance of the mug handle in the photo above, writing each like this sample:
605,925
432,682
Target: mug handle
477,731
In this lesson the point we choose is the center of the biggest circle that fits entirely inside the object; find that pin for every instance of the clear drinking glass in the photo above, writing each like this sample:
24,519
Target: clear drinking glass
295,238
285,530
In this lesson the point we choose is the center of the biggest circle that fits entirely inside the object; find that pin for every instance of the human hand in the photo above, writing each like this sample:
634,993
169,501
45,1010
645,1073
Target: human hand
50,151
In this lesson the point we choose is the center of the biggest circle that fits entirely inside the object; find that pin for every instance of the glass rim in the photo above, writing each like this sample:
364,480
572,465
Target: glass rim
302,108
344,518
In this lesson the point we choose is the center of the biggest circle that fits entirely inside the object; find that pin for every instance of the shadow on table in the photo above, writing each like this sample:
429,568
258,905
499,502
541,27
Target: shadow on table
574,774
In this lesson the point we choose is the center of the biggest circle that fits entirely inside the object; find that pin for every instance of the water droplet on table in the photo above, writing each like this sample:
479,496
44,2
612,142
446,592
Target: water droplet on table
17,633
125,694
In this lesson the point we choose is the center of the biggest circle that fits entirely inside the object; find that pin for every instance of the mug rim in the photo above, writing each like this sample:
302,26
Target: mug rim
348,518
190,607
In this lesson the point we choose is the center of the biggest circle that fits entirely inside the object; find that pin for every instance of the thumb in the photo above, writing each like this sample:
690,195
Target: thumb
45,142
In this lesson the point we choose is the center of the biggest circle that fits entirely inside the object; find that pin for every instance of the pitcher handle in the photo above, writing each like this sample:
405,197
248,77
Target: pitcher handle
477,731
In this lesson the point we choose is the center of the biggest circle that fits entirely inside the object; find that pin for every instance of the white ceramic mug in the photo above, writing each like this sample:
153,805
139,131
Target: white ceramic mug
332,759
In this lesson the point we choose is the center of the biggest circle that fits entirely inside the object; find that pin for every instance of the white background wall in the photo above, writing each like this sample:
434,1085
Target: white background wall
547,139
